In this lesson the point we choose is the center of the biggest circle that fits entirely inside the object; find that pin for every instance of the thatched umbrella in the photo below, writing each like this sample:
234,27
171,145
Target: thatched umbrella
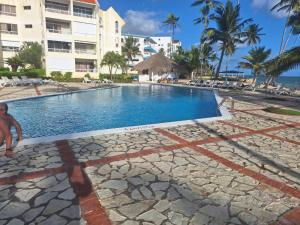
157,64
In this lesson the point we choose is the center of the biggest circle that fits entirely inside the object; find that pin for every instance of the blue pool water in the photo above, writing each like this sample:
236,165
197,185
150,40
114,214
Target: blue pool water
112,108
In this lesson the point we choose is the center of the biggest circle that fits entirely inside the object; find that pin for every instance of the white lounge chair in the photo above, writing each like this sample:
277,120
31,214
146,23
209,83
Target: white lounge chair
86,80
107,81
8,82
25,80
17,80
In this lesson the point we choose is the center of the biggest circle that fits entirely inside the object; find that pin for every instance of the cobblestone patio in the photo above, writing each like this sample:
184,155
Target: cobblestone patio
242,171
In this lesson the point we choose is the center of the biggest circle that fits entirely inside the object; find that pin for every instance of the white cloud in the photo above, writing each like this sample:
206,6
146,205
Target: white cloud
268,5
142,23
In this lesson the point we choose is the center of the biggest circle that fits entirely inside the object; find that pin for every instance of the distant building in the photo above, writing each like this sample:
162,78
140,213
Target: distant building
152,45
75,34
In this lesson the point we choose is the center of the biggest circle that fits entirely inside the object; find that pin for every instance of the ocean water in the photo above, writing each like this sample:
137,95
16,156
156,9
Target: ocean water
112,108
291,82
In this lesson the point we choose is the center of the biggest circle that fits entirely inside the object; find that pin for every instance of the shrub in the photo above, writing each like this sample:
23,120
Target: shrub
87,75
67,76
8,74
56,75
4,69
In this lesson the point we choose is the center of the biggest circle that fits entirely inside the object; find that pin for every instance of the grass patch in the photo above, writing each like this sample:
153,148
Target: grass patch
281,111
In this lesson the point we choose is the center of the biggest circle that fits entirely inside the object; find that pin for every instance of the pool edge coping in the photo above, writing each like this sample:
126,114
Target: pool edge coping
225,115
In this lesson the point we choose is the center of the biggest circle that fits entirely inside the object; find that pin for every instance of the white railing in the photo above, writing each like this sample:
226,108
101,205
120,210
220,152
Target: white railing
50,30
59,50
8,13
86,70
55,10
8,32
86,51
84,15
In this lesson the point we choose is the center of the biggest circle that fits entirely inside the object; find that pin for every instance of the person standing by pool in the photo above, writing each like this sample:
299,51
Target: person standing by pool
7,121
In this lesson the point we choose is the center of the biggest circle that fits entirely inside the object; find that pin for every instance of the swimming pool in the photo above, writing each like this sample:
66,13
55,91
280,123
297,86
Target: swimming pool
119,107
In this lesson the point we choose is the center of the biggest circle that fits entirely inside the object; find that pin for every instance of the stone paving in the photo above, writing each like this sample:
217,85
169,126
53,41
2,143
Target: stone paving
242,171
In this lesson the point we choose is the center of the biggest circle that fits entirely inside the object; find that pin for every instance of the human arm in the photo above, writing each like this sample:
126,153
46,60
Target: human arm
18,127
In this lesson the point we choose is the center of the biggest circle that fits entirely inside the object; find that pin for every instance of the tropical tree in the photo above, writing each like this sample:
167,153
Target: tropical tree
162,51
207,6
15,62
111,60
207,55
229,30
286,61
173,22
253,33
130,49
31,53
287,6
255,61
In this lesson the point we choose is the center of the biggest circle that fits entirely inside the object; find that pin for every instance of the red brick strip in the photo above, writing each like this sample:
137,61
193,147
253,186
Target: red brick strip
292,217
31,175
264,131
234,166
37,90
171,136
92,210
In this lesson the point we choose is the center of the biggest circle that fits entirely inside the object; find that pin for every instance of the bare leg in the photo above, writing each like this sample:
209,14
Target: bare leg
7,135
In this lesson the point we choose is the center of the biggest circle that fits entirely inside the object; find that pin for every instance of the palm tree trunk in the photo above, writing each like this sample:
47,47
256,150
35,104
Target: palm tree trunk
284,32
220,63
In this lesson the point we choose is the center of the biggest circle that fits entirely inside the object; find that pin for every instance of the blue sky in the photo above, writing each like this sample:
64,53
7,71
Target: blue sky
145,17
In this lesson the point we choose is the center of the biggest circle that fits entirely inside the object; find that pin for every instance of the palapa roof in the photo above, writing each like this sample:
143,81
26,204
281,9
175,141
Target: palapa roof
157,64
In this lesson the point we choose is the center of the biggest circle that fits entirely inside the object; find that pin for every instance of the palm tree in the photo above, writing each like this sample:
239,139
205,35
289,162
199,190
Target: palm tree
287,6
207,55
173,22
15,62
110,60
286,61
255,61
130,49
208,5
253,34
229,31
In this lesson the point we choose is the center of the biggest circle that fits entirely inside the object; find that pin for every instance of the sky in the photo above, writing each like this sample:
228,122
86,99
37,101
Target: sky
144,17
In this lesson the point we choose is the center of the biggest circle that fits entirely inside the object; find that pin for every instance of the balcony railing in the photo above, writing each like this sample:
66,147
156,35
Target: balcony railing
57,31
64,50
9,32
8,13
84,15
56,10
86,70
86,51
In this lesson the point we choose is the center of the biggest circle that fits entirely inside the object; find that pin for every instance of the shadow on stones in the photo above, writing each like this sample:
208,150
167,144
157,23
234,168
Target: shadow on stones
252,153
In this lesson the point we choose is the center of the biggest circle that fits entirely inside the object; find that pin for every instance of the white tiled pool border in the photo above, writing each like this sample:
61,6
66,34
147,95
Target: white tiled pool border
225,115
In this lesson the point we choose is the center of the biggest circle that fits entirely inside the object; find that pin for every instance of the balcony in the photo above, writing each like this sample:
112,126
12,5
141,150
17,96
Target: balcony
85,66
82,48
58,27
7,10
59,46
55,7
83,12
7,28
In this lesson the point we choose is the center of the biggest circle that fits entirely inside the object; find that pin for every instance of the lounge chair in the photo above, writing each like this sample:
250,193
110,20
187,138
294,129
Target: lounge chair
86,80
106,81
17,80
25,80
8,82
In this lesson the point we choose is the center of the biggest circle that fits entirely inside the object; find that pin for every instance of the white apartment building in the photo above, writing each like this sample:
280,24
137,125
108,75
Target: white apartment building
151,45
72,32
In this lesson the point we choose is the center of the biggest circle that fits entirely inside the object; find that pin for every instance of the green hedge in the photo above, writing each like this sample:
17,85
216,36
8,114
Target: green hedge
118,78
30,73
58,76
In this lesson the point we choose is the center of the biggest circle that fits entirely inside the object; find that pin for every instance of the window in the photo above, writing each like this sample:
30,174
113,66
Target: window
59,46
28,25
27,7
8,28
117,26
8,10
83,12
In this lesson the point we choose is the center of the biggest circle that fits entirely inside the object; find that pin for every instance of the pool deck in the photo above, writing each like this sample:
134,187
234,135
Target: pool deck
240,171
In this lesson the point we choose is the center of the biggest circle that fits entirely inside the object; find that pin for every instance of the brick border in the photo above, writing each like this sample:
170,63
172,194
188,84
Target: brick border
92,211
